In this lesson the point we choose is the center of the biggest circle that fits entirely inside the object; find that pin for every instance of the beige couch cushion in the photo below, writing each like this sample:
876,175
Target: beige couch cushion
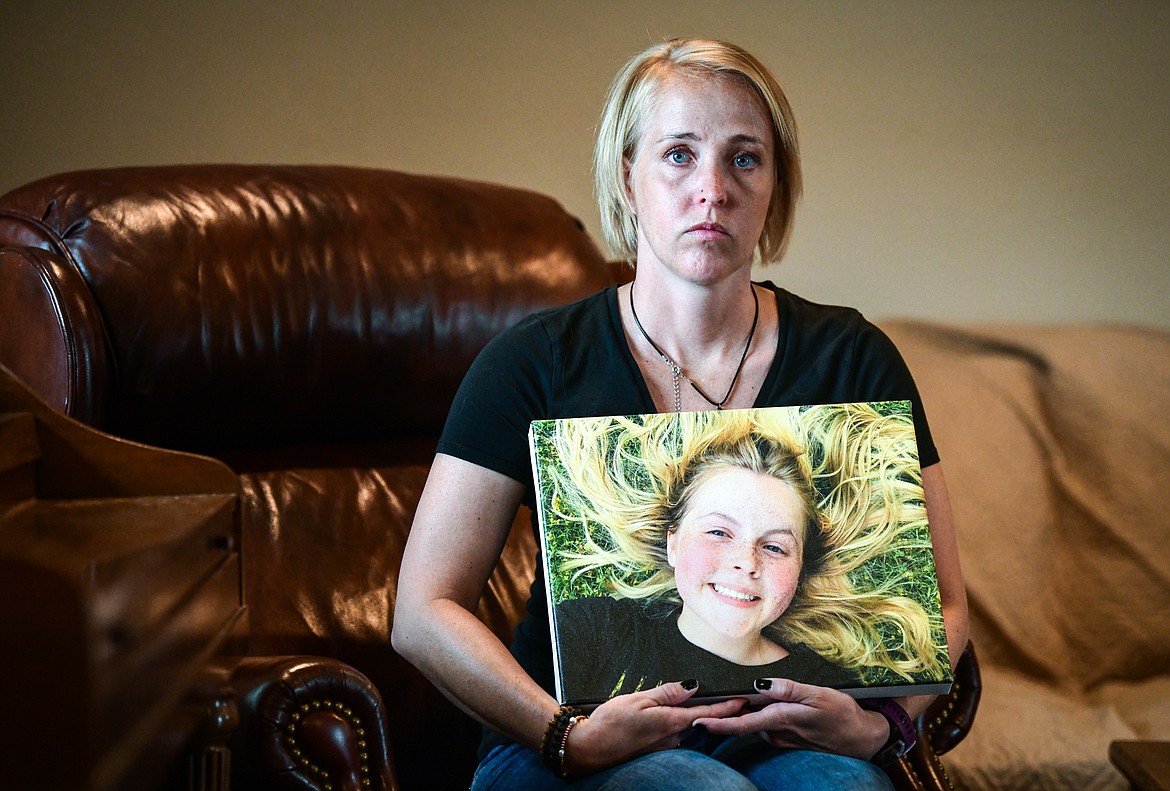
1028,735
1056,445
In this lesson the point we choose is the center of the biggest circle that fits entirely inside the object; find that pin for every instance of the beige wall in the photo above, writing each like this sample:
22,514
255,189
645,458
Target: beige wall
964,160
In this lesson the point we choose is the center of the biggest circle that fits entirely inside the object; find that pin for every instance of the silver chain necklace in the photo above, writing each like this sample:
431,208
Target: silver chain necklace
676,370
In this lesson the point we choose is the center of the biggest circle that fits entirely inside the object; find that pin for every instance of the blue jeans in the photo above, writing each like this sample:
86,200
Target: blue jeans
745,763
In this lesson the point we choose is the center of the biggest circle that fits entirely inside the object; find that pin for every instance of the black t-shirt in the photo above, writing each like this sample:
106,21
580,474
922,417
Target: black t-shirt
629,645
573,361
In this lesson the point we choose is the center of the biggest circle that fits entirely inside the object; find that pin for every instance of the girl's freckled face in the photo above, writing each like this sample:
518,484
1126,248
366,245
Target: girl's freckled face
737,556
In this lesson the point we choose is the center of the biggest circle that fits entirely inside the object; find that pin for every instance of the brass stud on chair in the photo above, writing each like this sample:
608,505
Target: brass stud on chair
346,713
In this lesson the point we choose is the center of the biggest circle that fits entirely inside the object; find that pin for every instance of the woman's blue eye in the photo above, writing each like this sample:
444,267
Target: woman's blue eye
745,160
678,157
775,549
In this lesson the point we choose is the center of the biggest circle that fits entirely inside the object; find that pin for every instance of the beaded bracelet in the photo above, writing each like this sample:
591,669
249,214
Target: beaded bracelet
556,736
560,769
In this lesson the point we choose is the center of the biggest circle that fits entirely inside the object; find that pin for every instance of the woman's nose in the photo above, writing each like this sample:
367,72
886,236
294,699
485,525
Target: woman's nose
712,185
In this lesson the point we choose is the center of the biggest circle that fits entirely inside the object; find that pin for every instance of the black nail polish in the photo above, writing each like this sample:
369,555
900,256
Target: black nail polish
763,683
690,684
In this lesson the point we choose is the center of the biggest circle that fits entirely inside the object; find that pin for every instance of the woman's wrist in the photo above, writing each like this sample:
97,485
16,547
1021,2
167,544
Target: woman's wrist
554,743
879,732
903,732
570,765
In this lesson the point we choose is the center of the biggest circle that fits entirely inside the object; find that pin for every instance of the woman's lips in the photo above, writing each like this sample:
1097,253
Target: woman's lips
708,230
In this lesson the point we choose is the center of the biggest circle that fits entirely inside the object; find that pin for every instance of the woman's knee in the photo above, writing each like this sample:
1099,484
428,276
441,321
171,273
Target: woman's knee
805,770
676,770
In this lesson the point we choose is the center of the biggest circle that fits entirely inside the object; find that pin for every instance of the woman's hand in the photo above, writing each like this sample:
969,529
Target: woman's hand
805,717
630,725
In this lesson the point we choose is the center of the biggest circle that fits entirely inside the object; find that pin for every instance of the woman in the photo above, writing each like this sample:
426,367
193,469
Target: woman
698,175
704,534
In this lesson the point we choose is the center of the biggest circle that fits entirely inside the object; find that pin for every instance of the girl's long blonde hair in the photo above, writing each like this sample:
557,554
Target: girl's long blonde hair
855,467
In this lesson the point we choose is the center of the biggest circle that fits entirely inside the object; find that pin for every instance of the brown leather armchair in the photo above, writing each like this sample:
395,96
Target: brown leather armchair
308,326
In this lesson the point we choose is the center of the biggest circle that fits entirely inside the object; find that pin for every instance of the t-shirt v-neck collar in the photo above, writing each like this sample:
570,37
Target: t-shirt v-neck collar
635,373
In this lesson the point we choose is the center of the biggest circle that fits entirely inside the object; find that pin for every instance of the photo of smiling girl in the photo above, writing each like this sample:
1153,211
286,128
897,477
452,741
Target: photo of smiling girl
729,547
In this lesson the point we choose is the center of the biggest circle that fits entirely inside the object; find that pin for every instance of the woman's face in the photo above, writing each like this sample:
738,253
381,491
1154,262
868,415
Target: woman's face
736,555
702,176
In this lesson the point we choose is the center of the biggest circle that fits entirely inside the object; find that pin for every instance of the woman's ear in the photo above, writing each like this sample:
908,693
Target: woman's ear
628,185
670,546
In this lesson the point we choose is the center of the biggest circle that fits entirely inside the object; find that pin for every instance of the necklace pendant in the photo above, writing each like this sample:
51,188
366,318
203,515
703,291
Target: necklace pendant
677,371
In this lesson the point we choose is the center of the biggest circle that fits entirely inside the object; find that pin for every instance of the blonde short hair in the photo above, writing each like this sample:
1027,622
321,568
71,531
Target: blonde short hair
623,115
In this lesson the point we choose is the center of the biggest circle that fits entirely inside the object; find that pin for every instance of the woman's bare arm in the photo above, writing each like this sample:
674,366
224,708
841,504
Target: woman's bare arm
946,560
458,533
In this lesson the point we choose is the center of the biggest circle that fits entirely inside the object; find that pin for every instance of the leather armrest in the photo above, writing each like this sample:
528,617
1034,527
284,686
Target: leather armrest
51,332
949,718
309,723
942,726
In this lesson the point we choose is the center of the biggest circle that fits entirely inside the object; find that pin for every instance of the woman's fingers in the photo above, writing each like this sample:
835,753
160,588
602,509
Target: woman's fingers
806,716
673,693
642,722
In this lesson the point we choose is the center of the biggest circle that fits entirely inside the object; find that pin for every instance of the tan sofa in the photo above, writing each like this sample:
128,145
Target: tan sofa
1056,442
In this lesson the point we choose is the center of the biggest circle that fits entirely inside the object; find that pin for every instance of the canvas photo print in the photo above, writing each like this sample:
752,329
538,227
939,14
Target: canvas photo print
727,546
